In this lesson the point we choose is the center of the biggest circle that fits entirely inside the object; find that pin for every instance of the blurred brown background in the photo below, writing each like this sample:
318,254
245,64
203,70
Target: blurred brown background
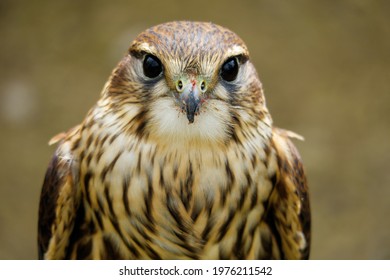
325,66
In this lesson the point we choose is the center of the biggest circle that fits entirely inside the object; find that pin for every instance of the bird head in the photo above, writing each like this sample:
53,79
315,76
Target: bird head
187,80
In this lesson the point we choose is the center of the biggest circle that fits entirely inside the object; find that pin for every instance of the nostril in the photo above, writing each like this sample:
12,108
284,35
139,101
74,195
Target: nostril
179,85
203,86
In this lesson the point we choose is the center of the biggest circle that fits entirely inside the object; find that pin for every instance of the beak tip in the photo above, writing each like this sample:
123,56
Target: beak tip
190,118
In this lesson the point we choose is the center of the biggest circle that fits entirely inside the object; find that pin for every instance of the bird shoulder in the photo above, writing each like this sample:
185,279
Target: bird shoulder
58,204
289,209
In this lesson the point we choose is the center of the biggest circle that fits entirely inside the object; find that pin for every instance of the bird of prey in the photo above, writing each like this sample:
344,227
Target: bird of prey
178,159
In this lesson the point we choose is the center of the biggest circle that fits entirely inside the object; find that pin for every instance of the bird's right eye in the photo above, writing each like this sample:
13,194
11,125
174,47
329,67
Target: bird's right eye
152,66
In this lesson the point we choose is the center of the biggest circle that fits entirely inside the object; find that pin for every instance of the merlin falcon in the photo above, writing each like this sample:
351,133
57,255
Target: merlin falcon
178,159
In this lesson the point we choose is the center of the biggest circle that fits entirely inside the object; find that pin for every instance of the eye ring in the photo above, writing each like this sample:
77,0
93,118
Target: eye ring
152,66
229,69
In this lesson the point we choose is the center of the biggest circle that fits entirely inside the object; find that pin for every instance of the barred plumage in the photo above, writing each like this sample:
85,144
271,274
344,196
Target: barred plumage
181,165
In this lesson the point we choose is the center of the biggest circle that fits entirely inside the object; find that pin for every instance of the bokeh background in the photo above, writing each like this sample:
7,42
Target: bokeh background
325,66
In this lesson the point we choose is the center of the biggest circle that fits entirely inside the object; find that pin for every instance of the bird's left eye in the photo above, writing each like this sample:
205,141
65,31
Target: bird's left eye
152,66
229,69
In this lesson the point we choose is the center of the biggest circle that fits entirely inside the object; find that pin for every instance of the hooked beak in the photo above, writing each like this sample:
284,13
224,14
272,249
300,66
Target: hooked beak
190,100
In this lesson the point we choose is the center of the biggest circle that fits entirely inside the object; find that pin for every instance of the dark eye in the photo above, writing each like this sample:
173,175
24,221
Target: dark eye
229,69
152,66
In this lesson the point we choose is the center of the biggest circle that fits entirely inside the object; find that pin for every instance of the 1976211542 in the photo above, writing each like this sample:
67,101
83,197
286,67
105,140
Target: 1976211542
232,270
